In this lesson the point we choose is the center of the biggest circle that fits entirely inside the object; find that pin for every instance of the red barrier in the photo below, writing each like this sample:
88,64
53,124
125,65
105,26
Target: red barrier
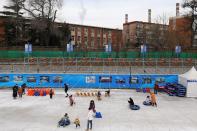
41,91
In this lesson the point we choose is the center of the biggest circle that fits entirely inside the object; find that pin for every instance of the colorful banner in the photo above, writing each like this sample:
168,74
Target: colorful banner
86,80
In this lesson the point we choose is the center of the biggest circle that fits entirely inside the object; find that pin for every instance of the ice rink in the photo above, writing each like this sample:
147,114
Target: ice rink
42,114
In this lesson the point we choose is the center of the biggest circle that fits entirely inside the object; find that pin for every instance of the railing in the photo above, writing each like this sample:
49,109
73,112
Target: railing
21,54
98,65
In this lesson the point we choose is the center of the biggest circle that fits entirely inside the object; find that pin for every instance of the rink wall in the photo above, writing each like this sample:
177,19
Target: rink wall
86,80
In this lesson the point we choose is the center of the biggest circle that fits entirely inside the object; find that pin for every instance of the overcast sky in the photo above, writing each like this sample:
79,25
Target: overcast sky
111,13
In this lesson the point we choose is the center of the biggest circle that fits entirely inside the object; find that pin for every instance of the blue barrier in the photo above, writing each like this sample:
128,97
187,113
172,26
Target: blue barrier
86,80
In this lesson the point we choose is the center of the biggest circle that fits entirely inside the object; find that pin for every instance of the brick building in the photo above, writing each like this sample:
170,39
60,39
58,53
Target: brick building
182,26
92,38
138,32
84,38
2,30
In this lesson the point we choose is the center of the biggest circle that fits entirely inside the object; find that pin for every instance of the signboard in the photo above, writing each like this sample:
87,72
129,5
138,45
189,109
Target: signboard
108,48
90,79
143,48
28,48
104,79
178,49
191,80
69,47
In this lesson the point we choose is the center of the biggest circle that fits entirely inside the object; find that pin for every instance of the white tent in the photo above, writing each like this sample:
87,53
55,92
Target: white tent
189,80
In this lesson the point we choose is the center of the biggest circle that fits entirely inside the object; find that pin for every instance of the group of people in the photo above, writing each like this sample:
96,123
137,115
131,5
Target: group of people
65,121
107,94
18,91
150,100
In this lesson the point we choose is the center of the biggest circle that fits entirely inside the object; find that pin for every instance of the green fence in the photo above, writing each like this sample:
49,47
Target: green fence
21,54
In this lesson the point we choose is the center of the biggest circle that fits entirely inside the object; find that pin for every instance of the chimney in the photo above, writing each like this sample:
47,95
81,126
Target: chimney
126,18
177,9
149,15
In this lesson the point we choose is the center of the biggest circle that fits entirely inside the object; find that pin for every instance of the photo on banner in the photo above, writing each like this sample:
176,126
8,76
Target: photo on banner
90,79
31,79
105,79
147,80
18,78
120,80
44,79
4,78
160,80
57,79
134,80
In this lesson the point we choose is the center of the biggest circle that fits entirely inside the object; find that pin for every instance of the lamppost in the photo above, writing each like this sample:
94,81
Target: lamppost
143,53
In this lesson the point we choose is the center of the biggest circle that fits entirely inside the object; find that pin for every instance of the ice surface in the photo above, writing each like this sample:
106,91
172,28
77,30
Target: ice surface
42,113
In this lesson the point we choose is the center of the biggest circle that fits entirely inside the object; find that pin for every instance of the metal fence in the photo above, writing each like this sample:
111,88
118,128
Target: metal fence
164,54
97,65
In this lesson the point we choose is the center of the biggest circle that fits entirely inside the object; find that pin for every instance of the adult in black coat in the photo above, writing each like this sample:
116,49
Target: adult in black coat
66,89
130,101
23,87
15,91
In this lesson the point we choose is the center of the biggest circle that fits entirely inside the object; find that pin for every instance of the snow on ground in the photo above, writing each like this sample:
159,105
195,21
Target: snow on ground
42,113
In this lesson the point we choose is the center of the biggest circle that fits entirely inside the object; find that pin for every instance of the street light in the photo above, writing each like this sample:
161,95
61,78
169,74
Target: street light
143,52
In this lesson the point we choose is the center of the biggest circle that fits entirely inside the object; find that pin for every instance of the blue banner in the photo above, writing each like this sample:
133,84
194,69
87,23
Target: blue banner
86,80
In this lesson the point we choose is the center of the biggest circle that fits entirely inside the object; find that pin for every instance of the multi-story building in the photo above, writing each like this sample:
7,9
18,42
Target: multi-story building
84,38
2,30
95,38
182,26
137,32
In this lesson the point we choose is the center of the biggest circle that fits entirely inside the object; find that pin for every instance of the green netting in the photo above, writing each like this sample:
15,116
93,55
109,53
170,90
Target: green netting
21,54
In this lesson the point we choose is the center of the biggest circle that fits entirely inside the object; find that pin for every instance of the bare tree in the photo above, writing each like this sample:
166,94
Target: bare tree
43,13
14,23
192,6
155,34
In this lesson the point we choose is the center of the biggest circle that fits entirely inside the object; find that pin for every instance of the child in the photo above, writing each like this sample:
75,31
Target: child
107,93
153,99
71,100
77,122
20,92
99,95
147,102
65,121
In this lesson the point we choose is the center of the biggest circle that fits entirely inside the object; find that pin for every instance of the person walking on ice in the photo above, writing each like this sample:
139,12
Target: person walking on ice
66,89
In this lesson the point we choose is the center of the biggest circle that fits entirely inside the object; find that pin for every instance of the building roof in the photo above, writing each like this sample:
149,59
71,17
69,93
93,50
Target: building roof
133,22
95,27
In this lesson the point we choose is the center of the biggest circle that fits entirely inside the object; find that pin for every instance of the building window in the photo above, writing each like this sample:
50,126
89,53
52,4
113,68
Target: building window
109,40
85,39
92,30
86,30
92,39
98,31
92,43
109,32
98,41
73,38
104,41
79,38
72,28
79,29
